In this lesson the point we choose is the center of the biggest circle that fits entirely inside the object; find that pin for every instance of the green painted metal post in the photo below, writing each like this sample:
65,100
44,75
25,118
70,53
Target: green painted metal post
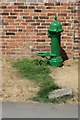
55,44
54,32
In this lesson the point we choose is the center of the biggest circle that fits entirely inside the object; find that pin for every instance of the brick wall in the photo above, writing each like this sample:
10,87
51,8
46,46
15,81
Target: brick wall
24,27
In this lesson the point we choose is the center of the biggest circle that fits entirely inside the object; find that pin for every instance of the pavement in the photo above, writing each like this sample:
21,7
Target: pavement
0,111
38,110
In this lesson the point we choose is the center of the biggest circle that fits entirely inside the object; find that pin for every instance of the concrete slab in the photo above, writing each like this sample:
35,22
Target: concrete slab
0,111
38,110
60,93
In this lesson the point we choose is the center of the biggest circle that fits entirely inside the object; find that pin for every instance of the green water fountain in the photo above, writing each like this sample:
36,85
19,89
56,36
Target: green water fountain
54,32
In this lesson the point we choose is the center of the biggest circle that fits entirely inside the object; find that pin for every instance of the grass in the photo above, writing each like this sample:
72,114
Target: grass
38,71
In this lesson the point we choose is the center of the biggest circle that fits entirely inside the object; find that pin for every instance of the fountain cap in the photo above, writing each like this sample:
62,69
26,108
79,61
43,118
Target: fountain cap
55,26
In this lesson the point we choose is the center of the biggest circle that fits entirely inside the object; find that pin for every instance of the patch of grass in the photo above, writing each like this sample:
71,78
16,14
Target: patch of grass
38,71
35,70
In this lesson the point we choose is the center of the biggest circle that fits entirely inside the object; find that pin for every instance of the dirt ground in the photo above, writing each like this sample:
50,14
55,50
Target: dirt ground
67,76
18,89
15,88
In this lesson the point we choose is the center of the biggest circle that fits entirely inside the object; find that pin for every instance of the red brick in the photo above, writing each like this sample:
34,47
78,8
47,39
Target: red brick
7,10
12,17
62,11
4,36
51,14
49,21
29,11
3,4
49,4
35,4
14,37
9,20
43,17
22,7
61,7
11,41
30,20
45,37
11,26
28,30
69,44
40,47
17,10
27,17
24,37
62,14
21,3
13,13
41,40
12,7
31,7
2,7
30,27
34,26
39,33
46,24
19,20
43,14
40,7
50,10
40,20
22,13
21,27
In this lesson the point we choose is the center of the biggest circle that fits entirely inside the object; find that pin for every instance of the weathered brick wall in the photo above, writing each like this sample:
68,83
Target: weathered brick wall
24,27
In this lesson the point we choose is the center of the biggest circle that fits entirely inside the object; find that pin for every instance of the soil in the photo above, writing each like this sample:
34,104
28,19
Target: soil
67,76
18,89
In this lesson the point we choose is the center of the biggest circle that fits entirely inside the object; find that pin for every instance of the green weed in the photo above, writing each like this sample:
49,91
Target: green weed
38,71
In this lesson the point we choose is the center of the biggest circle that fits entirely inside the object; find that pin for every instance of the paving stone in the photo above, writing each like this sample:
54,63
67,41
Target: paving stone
60,93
